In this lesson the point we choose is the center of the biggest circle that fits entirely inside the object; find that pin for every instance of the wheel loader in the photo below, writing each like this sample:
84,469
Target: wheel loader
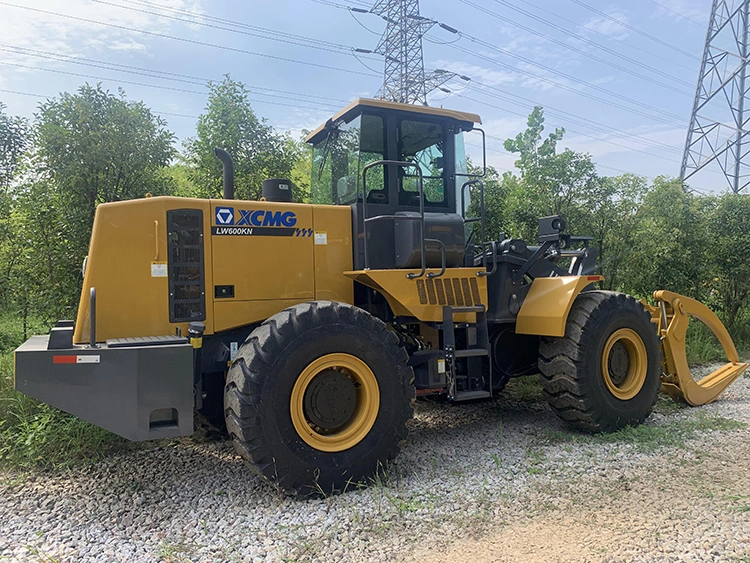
309,329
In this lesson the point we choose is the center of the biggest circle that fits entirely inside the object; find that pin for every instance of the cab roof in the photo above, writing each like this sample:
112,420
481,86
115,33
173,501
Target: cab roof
382,104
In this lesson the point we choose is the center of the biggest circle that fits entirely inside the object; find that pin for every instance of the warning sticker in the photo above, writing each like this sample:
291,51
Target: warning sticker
441,366
158,269
77,359
321,237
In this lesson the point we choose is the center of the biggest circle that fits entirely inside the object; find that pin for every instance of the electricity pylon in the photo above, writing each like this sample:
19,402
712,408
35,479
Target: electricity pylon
718,131
404,77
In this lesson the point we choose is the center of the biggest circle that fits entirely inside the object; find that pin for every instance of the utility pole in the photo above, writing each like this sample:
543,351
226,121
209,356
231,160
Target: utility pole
404,77
719,124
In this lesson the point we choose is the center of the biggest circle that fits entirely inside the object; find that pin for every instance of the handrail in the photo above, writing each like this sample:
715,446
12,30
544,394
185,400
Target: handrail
365,219
484,157
468,184
493,250
443,258
92,318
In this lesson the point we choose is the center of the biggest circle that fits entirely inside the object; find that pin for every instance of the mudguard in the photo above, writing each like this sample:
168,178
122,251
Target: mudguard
545,309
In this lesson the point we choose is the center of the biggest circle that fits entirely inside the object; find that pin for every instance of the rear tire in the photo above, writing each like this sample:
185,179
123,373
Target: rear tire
605,373
318,397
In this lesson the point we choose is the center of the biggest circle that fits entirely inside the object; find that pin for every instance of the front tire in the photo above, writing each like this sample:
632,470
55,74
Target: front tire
605,373
318,397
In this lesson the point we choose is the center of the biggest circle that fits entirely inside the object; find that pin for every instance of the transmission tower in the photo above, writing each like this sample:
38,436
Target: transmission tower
718,129
404,77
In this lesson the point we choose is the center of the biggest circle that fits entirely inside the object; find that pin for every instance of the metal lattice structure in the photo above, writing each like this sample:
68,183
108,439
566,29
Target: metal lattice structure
718,131
404,77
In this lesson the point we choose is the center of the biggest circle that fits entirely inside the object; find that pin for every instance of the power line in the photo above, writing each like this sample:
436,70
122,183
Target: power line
158,113
196,18
160,87
151,73
570,130
588,54
634,29
669,115
186,40
582,121
232,23
675,12
363,26
580,92
23,93
583,38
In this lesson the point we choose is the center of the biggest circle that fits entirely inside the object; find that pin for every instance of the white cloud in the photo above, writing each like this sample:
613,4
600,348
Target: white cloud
608,27
35,26
128,46
489,77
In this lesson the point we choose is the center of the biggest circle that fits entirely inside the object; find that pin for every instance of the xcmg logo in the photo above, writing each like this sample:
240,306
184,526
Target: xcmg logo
225,216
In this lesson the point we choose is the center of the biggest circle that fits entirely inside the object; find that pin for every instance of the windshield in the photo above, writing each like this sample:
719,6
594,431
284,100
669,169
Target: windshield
338,161
423,143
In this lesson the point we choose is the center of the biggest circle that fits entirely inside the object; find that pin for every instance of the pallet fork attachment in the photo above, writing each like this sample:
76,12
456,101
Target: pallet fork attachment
672,316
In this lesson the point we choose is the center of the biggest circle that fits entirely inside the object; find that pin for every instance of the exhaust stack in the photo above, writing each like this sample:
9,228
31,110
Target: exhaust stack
226,159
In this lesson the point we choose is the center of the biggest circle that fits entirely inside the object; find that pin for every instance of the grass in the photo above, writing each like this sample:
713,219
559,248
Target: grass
35,435
176,552
703,347
649,437
524,389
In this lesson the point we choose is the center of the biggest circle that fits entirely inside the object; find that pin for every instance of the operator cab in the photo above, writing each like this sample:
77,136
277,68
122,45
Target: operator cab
390,195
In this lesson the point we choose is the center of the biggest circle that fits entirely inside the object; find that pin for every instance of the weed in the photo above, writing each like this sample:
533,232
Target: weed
524,389
647,437
666,405
403,505
42,555
175,552
496,459
534,459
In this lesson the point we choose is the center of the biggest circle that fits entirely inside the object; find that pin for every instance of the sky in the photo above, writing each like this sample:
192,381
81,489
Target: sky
618,76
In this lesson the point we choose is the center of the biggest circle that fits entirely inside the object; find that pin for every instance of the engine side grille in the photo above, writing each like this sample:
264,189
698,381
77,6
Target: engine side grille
451,291
187,290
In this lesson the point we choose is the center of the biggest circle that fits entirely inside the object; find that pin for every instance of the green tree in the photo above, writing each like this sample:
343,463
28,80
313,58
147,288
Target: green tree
671,242
494,202
728,264
551,183
89,148
611,212
97,147
259,152
14,140
41,261
14,137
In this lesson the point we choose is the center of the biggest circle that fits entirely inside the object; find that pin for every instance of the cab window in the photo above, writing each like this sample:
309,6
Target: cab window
422,143
338,161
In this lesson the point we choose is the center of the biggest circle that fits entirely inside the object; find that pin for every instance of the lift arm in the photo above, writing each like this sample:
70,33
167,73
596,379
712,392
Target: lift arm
672,317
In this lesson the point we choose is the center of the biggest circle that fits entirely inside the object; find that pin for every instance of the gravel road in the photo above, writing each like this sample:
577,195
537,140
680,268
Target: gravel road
497,481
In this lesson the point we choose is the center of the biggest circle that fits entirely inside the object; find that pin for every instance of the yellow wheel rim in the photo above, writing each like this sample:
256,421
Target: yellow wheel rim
331,379
624,364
